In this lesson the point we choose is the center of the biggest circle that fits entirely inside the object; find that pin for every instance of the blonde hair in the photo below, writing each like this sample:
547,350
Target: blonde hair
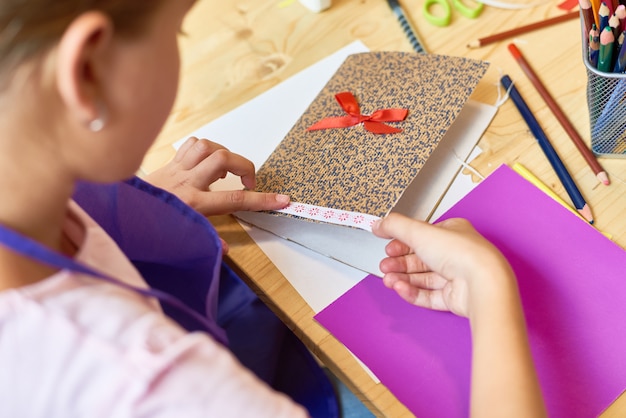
30,27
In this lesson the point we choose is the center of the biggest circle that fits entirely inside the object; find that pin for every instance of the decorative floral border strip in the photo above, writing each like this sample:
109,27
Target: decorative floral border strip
330,215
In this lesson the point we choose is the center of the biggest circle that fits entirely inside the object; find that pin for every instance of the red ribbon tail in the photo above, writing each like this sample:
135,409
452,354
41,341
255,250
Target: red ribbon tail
380,128
334,122
389,115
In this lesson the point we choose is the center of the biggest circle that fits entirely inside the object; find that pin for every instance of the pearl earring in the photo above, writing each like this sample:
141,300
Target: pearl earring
97,124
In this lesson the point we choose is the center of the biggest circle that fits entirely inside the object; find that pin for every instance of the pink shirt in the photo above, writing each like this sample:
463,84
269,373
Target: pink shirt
72,345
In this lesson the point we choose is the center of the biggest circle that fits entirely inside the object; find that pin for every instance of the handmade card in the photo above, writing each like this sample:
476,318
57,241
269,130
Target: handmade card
571,281
271,115
355,152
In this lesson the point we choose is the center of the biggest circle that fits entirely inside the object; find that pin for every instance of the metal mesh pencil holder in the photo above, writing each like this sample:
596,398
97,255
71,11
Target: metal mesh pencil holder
606,99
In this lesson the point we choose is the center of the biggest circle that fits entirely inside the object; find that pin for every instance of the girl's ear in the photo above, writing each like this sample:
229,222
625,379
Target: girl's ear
80,65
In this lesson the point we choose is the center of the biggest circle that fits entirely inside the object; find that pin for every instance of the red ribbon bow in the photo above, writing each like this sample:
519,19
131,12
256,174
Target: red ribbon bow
372,123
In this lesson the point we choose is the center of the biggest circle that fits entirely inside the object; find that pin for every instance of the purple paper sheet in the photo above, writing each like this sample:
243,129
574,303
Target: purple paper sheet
572,281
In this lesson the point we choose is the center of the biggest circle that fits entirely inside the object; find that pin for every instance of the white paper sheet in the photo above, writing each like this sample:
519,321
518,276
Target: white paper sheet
359,248
253,131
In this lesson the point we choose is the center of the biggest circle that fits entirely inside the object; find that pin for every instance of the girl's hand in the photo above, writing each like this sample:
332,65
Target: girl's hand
198,164
446,266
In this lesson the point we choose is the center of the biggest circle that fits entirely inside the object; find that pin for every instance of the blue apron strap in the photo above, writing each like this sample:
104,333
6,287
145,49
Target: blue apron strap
176,249
33,249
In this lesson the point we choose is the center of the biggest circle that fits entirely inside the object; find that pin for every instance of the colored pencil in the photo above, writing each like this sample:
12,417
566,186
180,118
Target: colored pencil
616,26
613,5
603,17
595,6
408,30
620,12
558,113
607,44
620,61
524,172
523,29
561,171
528,175
594,46
587,13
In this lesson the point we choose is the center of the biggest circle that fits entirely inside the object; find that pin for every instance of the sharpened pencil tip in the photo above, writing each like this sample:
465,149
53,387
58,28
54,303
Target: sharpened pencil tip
585,211
603,178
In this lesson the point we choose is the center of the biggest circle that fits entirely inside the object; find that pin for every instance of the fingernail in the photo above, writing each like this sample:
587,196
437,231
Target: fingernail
282,198
201,145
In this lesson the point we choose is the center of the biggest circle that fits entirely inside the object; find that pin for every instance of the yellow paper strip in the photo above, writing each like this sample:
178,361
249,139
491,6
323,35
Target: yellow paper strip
524,172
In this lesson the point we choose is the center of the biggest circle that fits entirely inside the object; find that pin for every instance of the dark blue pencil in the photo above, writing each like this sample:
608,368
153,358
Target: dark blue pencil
548,150
620,61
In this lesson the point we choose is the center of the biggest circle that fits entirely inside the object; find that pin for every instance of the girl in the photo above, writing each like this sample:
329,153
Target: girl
109,288
85,88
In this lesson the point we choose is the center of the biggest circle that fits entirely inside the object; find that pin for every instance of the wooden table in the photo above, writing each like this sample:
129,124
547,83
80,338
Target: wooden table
237,49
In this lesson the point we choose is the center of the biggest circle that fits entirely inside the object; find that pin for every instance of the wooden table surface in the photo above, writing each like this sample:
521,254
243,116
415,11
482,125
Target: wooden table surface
235,50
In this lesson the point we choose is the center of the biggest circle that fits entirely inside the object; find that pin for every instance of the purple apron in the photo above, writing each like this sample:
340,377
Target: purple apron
178,252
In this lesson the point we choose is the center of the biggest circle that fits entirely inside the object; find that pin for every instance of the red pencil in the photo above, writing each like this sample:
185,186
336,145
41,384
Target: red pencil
523,29
556,110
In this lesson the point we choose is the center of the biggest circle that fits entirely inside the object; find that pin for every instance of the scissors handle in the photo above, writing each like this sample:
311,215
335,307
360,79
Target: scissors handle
469,12
438,19
444,19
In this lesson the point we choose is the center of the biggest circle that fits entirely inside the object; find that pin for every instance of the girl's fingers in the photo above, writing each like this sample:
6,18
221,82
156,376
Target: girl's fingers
194,151
182,151
415,234
225,202
409,263
426,298
396,248
425,281
219,164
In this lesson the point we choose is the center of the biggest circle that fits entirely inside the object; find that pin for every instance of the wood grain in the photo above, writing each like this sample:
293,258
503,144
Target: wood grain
238,49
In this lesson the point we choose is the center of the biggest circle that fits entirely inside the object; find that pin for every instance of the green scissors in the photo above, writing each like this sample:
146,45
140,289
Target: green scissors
444,20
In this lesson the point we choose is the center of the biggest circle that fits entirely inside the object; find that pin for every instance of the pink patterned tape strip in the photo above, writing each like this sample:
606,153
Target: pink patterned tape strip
329,215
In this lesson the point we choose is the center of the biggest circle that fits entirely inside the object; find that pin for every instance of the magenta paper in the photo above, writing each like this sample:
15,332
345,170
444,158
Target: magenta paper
572,281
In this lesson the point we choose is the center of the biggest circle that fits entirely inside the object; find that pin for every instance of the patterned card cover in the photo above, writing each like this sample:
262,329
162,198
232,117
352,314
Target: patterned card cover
355,170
